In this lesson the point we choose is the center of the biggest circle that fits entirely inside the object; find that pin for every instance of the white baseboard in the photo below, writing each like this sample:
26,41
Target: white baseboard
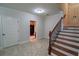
23,42
45,38
15,44
11,45
1,48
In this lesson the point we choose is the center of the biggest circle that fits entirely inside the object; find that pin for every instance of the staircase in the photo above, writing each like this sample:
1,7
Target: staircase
66,43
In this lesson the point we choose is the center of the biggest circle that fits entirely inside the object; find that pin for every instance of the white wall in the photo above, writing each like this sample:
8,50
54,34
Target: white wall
0,32
44,25
24,24
50,23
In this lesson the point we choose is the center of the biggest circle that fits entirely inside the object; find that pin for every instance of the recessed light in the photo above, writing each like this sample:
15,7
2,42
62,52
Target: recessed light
39,10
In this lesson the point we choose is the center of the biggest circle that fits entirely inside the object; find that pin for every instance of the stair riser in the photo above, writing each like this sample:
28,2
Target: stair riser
68,39
67,47
57,52
68,44
67,50
71,38
73,31
71,28
61,51
70,34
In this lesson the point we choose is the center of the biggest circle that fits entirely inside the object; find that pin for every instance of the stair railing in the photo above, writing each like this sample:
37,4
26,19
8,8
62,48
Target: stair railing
53,34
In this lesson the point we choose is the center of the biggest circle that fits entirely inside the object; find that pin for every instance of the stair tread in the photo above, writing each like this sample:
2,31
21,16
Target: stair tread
72,28
69,42
64,43
68,47
57,52
69,35
65,49
72,34
61,51
53,54
68,39
72,38
71,31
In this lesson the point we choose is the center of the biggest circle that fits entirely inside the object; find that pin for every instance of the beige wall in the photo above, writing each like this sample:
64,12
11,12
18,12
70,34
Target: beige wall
71,10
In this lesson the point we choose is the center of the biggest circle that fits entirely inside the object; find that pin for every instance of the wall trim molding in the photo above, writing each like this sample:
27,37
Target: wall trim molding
1,48
23,42
44,38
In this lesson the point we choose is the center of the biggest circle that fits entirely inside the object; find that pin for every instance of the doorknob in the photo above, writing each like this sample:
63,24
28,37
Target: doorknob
3,34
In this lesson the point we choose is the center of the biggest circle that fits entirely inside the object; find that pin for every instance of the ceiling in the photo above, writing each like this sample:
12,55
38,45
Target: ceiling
50,8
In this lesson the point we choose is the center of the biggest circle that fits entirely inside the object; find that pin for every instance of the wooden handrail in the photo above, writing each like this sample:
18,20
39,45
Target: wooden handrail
51,32
58,23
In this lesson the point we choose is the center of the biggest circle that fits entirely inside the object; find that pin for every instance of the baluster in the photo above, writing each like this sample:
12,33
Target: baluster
49,48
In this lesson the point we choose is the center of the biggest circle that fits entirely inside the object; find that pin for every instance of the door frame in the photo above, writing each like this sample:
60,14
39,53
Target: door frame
35,28
3,32
1,42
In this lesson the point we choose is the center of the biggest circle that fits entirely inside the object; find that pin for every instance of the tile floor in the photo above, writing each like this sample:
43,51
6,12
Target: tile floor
33,48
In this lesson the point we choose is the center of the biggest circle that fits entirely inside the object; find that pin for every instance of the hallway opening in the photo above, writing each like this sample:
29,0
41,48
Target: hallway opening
32,30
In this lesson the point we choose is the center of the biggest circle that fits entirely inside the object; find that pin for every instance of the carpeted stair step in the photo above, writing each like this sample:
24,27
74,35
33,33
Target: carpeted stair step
66,49
69,43
66,43
60,52
70,31
72,28
68,37
70,34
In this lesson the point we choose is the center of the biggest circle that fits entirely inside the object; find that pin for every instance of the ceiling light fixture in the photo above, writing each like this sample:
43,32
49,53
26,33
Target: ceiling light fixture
39,10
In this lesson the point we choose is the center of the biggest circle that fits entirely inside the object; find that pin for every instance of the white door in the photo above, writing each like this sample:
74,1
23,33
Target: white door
0,33
9,31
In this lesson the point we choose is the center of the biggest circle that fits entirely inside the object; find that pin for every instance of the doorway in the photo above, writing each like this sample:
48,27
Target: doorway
32,30
9,32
